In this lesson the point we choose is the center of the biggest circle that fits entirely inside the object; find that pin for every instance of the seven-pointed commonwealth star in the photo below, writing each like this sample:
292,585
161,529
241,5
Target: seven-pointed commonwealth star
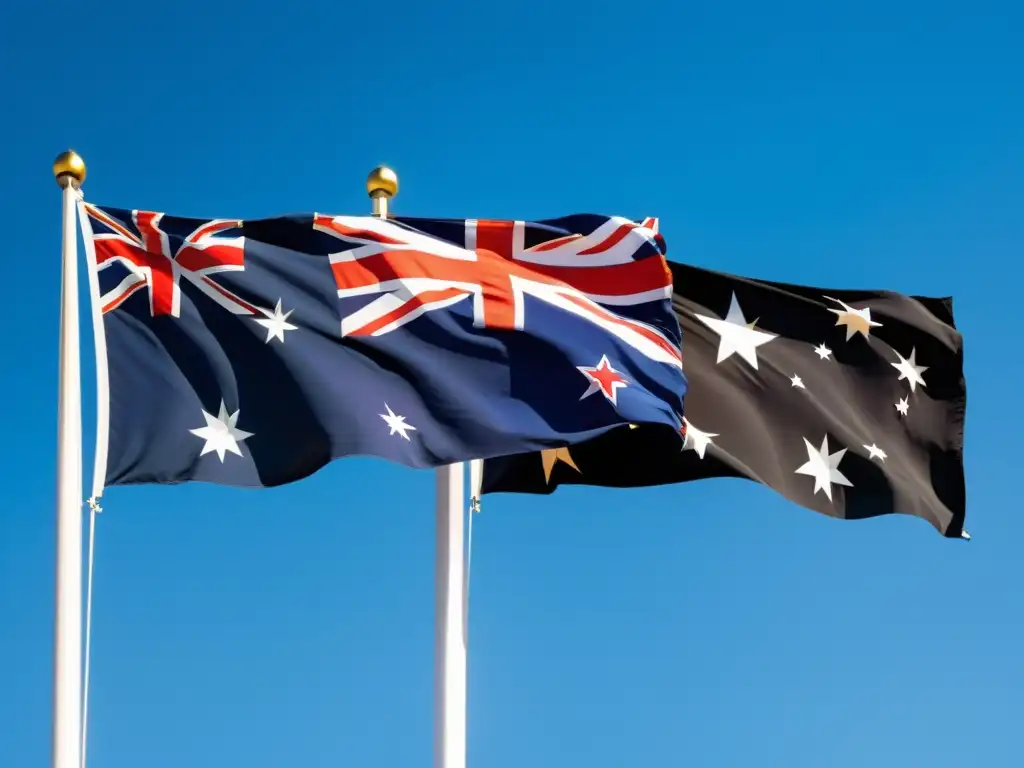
903,406
910,370
604,379
735,335
823,467
696,440
823,352
276,322
396,423
220,433
855,320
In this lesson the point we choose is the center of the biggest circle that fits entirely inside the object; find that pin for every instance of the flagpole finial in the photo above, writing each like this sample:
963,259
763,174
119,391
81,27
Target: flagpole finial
69,168
382,182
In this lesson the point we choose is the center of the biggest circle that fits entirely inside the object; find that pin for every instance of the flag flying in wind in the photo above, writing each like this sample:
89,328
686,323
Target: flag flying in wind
850,403
253,352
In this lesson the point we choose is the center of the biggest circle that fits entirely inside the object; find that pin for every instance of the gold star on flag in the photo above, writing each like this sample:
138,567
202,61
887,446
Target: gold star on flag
552,456
855,320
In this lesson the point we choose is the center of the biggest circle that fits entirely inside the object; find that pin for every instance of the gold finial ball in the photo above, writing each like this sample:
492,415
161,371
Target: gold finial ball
382,182
71,164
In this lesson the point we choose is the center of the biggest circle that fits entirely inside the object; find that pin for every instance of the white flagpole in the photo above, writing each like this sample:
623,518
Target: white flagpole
449,574
449,637
69,170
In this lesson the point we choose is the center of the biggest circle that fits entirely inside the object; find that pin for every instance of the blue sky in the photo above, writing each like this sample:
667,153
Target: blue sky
852,144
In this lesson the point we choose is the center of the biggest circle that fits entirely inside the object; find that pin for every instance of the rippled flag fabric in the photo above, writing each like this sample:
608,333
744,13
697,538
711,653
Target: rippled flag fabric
848,402
252,353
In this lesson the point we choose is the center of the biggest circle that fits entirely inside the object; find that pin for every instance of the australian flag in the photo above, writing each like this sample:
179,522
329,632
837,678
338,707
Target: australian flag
252,353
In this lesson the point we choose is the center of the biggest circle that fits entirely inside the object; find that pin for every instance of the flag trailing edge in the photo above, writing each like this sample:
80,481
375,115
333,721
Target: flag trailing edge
264,349
850,403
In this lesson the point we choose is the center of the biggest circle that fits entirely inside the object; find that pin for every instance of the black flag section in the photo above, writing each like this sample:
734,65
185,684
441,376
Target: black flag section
850,403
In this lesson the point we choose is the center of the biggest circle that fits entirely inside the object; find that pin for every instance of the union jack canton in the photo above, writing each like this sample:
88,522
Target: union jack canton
273,346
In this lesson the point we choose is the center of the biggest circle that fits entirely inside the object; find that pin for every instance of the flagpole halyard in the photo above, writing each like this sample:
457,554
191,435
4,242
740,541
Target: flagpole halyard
449,572
69,170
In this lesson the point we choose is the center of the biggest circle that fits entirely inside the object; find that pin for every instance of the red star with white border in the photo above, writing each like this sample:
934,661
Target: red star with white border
604,379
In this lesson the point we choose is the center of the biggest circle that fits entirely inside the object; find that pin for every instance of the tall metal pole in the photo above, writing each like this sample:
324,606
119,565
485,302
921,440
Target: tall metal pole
69,170
449,574
450,637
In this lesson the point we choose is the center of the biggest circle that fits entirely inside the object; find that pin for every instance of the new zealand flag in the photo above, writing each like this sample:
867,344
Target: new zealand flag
252,353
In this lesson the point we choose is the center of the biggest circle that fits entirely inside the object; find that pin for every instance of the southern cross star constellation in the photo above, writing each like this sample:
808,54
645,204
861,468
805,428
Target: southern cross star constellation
874,452
910,370
736,335
276,322
696,439
855,320
823,467
396,423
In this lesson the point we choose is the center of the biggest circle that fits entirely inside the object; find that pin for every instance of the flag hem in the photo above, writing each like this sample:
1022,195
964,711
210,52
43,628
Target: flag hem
100,353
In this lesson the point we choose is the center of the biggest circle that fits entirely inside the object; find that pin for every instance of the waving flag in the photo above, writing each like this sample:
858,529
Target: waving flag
850,403
254,352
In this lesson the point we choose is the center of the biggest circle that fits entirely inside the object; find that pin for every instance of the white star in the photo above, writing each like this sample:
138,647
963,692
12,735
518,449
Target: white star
220,433
736,335
824,467
822,351
855,320
275,322
396,422
874,451
910,370
903,406
796,381
696,440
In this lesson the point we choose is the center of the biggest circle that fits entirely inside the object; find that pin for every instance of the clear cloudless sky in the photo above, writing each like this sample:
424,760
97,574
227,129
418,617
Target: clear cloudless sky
855,143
